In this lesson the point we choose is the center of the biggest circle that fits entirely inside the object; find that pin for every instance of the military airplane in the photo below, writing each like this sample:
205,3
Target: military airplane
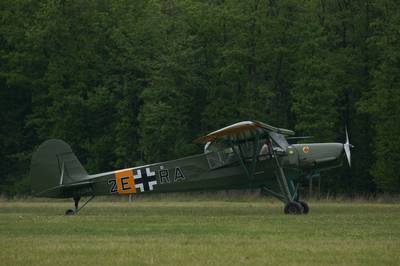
248,154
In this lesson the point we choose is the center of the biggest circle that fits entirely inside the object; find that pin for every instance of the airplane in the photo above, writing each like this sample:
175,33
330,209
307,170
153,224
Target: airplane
247,154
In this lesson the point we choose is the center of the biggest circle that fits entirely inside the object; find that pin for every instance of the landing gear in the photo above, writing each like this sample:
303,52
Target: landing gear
70,212
293,207
296,207
76,201
304,204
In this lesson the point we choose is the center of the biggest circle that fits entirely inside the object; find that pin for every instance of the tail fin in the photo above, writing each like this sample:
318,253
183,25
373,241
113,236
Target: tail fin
54,165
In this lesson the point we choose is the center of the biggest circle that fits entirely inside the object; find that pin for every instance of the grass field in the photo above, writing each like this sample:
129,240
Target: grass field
198,233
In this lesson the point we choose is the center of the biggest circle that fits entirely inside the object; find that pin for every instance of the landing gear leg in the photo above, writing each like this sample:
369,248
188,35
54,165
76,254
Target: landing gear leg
74,211
76,201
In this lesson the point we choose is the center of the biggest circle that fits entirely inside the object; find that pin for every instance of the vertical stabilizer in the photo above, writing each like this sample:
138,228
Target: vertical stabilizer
54,165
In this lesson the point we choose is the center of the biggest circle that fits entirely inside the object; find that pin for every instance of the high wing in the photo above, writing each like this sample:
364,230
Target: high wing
242,131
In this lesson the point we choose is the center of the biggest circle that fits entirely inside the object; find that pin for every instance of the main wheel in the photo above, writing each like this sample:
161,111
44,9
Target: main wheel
70,212
293,208
304,204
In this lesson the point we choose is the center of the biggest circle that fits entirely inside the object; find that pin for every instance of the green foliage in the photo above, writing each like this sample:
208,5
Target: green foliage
314,92
128,82
381,102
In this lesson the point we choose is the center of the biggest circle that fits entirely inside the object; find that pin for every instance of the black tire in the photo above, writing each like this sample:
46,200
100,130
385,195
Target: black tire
70,212
293,208
304,204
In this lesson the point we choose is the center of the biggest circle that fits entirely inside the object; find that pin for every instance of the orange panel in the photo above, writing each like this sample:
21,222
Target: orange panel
125,182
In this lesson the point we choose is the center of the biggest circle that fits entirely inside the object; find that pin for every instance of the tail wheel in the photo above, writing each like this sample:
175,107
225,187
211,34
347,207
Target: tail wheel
293,208
70,212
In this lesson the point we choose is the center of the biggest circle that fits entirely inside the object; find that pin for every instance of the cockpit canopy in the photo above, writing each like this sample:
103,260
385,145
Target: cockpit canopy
222,152
243,141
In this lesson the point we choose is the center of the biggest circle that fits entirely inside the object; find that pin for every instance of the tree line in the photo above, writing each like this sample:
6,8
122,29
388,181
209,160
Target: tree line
128,82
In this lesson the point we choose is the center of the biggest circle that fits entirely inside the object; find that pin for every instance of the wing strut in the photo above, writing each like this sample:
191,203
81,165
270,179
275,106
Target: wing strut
281,177
241,157
256,150
249,172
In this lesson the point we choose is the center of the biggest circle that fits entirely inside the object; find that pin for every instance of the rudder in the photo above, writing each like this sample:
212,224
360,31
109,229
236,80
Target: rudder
54,165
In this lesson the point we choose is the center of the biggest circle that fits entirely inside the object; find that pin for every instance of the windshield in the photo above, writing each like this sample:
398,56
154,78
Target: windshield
280,140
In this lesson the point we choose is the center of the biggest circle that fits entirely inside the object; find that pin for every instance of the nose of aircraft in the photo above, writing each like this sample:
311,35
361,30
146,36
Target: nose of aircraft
320,155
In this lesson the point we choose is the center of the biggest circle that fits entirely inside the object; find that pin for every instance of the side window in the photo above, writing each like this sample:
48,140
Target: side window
219,154
266,152
247,149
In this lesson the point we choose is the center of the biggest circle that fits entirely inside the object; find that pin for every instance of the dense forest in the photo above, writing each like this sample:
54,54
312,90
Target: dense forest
127,82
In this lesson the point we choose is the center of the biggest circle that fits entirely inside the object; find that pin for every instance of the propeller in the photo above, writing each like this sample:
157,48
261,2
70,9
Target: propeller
347,146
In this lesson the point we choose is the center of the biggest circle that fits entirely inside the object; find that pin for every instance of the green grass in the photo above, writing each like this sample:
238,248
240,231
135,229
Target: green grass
198,233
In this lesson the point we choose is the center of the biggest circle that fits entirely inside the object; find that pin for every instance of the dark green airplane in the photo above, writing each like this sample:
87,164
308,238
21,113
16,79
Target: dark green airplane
248,154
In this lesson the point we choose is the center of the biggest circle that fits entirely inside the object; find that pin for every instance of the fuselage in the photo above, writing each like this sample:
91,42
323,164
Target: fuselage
214,170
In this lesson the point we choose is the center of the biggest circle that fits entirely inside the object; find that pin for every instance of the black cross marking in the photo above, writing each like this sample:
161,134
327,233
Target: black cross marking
145,179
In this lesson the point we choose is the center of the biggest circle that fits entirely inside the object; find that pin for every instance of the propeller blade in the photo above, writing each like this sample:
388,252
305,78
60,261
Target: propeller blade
348,154
347,147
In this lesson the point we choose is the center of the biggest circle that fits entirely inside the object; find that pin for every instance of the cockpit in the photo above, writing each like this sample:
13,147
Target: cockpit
219,153
222,152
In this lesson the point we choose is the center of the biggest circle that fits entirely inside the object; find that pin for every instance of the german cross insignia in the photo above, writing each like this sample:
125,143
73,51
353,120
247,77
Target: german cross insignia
145,181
